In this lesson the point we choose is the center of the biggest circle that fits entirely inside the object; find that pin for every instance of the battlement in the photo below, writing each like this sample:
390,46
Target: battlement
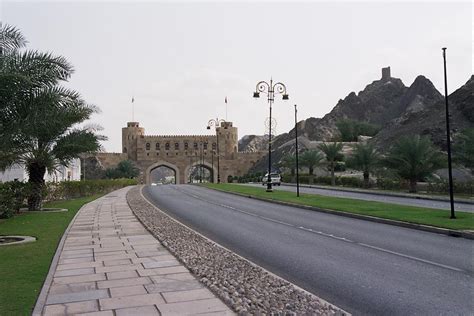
133,124
179,136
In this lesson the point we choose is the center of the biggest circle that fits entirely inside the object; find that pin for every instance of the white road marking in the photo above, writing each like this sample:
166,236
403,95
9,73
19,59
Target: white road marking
325,234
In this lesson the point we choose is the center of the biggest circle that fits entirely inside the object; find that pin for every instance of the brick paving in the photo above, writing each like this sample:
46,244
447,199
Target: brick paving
111,265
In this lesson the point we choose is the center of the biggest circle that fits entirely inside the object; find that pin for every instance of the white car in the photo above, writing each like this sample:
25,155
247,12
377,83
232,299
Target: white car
274,177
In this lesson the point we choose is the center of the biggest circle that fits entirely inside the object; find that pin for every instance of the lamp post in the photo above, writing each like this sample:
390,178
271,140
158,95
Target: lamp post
448,137
270,89
216,123
200,163
297,166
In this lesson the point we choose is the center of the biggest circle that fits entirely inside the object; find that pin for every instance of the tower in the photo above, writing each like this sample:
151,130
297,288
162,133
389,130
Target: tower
228,140
130,135
386,73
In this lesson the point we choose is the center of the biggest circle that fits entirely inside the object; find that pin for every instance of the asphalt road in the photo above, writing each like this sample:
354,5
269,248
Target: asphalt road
363,267
465,207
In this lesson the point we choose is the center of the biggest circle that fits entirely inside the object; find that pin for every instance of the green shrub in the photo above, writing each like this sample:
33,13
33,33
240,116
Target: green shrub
75,189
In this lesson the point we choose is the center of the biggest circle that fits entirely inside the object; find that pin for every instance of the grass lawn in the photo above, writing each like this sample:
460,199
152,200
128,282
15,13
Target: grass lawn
412,214
23,268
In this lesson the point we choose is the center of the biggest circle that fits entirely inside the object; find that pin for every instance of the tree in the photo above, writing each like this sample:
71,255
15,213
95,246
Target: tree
351,129
311,159
364,158
39,118
333,153
289,161
124,169
414,158
463,148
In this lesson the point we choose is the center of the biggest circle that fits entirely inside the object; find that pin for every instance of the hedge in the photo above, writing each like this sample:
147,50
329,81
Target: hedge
13,194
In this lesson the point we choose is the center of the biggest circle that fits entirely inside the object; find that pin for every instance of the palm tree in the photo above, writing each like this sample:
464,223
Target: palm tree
364,158
311,159
39,118
414,158
333,154
463,148
289,161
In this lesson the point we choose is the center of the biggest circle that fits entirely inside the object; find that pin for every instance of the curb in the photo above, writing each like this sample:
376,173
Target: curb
431,229
41,300
239,256
403,195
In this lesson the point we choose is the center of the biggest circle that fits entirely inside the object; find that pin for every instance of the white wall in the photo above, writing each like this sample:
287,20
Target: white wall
18,172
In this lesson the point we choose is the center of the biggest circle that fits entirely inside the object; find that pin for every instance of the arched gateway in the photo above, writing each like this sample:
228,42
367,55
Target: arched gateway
183,153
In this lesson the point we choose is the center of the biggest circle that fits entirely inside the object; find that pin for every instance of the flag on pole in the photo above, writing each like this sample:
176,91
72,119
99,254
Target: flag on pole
225,100
133,99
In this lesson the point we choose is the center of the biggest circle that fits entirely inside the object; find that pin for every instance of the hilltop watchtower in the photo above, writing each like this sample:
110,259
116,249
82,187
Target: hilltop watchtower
386,74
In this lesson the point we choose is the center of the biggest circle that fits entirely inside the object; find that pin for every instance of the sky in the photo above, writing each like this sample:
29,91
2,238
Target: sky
181,59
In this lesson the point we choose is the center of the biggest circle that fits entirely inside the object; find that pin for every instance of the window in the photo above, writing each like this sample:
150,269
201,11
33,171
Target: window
205,146
195,146
167,146
176,146
157,146
186,145
214,146
147,146
125,149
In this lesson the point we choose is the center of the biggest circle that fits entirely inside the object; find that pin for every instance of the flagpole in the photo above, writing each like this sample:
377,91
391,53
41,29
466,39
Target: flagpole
226,108
133,109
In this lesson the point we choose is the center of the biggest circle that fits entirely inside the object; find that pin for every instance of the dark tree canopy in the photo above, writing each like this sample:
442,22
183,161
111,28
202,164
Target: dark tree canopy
39,118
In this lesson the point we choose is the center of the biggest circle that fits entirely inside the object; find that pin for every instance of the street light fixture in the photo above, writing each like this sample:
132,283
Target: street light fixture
270,89
216,123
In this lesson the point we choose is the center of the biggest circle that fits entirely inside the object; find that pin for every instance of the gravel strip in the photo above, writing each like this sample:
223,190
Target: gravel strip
247,288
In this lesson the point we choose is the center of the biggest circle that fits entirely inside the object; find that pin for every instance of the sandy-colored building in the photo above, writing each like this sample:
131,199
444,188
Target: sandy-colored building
182,153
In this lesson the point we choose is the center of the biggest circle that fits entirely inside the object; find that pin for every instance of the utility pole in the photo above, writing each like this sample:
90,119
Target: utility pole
448,138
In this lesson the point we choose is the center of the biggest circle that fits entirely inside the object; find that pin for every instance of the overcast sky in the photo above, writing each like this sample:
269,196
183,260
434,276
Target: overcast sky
181,59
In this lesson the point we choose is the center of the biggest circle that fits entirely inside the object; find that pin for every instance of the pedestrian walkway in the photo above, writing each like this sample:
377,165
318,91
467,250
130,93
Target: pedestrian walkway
111,265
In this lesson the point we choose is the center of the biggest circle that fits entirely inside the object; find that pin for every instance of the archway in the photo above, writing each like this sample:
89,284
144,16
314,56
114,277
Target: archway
164,174
200,172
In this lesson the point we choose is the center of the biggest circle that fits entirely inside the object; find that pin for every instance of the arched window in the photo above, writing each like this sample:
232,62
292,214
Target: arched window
176,146
205,146
125,150
195,146
214,146
157,146
167,146
186,145
147,146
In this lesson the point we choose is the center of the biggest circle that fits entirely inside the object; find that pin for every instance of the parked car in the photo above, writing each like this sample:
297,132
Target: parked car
274,177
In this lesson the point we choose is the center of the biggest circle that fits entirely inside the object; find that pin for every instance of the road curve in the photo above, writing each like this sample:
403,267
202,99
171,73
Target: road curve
442,205
363,267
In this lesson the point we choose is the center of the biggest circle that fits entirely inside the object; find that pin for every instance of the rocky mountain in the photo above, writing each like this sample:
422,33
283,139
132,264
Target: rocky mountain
253,143
430,117
397,109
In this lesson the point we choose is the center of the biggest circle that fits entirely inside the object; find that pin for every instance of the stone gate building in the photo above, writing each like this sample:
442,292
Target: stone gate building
181,153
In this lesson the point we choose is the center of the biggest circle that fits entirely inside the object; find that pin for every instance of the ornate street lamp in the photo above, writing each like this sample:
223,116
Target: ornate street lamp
270,89
216,123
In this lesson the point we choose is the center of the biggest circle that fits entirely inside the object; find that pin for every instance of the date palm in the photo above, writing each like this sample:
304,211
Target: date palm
39,118
414,158
289,161
333,153
311,159
364,158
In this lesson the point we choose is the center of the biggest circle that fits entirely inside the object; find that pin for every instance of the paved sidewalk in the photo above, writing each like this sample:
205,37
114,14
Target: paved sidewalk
111,265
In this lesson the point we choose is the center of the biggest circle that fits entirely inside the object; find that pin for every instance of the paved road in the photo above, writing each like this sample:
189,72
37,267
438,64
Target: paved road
465,207
363,267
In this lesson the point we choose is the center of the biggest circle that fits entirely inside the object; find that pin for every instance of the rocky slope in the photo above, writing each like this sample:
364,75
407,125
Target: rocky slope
431,119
